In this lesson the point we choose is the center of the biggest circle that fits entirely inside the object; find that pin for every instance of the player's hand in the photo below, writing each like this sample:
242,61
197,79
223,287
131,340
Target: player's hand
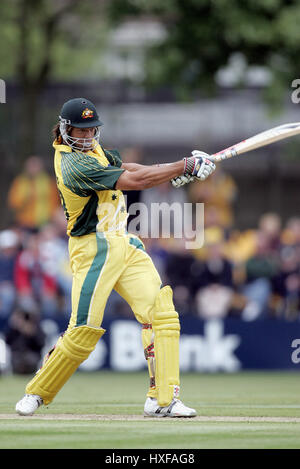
198,165
181,180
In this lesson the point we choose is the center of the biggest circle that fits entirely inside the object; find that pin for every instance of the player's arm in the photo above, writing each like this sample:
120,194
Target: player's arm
131,166
139,177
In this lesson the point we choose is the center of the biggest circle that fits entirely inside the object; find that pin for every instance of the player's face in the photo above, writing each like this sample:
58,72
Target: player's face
84,134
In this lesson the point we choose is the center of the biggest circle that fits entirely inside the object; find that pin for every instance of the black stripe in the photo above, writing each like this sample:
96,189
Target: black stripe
171,406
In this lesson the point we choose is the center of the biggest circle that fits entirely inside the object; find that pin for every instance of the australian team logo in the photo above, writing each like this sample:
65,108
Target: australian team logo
86,113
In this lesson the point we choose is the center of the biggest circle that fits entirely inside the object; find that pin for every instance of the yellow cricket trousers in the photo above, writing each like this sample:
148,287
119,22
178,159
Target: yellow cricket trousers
101,262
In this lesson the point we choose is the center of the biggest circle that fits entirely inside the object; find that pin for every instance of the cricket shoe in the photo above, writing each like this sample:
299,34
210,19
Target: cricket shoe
28,404
175,409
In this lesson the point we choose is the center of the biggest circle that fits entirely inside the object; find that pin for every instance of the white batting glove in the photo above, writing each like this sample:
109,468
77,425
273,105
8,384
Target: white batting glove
199,165
181,180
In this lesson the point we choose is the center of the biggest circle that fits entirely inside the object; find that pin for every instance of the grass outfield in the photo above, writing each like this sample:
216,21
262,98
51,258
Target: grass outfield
104,410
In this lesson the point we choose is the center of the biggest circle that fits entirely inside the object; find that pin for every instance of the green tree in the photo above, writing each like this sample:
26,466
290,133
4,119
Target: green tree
203,35
44,40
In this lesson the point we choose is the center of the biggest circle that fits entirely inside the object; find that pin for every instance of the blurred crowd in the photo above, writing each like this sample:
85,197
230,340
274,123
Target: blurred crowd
250,274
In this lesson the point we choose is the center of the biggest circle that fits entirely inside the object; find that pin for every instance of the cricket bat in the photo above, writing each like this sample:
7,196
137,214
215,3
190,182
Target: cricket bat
260,140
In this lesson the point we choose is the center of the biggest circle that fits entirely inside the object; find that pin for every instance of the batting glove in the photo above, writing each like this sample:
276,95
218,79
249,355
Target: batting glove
199,165
181,180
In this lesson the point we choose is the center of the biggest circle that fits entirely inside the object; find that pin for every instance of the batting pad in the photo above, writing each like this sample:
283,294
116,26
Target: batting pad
71,350
166,329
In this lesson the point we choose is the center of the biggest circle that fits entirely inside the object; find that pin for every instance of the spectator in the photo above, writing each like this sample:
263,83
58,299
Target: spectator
54,259
286,284
270,225
9,246
25,338
212,278
259,272
33,278
33,195
291,232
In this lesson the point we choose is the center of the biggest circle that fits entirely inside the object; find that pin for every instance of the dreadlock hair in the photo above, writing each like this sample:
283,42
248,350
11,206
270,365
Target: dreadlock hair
56,133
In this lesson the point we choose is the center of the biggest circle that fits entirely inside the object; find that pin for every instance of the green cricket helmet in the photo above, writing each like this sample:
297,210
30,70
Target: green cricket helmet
80,113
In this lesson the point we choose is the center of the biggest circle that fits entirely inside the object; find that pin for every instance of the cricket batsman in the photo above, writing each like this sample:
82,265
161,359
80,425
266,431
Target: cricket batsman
104,256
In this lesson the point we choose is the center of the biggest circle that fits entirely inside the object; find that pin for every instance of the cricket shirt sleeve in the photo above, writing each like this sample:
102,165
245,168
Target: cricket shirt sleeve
83,174
113,157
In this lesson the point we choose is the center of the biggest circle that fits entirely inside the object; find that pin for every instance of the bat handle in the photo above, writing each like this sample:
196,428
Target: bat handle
223,155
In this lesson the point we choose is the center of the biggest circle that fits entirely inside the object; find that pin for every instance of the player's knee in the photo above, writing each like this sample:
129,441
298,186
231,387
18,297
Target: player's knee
144,303
165,317
78,343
